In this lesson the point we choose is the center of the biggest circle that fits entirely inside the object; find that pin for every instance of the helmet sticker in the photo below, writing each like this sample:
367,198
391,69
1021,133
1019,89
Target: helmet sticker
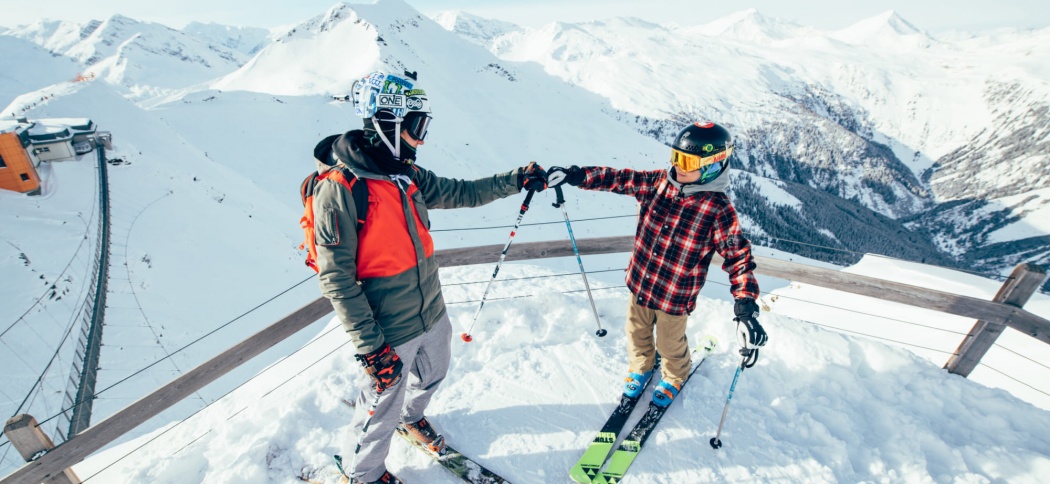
704,124
380,91
708,148
414,103
376,79
390,101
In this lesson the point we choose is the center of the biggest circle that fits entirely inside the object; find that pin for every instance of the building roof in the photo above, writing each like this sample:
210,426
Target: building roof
76,125
8,125
49,130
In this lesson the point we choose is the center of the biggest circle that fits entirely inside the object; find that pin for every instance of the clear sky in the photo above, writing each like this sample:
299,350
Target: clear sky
930,15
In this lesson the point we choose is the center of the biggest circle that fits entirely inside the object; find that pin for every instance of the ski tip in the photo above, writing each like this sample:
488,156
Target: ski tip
707,343
716,443
466,337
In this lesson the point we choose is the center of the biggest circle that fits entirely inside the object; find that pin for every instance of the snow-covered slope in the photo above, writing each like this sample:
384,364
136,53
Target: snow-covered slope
188,240
28,68
528,394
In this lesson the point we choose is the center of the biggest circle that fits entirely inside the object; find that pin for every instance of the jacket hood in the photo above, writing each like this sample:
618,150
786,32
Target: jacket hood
346,149
720,184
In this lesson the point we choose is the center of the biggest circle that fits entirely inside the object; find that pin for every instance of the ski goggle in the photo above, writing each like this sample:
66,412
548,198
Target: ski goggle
417,124
710,172
690,162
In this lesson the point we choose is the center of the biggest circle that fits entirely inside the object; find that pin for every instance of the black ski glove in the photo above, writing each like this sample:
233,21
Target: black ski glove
383,365
532,177
751,333
558,176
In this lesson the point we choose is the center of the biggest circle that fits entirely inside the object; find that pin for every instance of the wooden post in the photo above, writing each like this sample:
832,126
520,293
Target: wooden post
1016,291
26,436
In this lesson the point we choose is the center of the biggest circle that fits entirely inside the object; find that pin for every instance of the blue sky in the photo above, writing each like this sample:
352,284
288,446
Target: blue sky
930,15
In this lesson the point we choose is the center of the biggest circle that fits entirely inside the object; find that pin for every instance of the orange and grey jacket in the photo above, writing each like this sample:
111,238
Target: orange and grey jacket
383,280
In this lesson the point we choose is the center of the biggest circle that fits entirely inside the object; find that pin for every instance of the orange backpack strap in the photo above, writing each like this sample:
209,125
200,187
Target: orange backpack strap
348,180
344,177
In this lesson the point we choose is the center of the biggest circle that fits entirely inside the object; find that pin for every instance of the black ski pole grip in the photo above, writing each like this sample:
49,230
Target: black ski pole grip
528,200
560,196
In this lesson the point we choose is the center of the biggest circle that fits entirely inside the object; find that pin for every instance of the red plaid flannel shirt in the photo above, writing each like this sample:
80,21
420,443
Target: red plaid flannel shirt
676,237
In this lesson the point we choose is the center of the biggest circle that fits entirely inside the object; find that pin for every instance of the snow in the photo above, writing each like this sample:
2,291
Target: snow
29,67
204,227
774,191
527,395
887,28
1033,210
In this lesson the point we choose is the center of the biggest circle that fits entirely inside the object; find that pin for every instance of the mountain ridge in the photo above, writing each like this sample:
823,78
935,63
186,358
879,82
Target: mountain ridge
922,137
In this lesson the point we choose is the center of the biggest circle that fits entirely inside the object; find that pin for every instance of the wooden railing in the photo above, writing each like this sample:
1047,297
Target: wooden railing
992,316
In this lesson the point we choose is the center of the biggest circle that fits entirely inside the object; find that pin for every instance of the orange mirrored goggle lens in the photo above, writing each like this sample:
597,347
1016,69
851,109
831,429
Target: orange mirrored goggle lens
690,162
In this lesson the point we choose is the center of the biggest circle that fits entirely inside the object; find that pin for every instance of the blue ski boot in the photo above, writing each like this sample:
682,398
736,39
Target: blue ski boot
635,383
665,393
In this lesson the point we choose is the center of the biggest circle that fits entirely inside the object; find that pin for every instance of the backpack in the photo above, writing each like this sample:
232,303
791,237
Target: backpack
345,178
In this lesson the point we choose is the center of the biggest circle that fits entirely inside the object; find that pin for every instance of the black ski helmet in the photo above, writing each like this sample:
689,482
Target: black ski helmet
703,146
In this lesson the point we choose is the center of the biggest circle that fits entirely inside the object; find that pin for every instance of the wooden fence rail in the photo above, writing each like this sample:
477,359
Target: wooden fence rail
93,438
1016,291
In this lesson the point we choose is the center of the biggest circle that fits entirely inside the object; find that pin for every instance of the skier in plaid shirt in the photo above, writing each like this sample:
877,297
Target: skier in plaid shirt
684,217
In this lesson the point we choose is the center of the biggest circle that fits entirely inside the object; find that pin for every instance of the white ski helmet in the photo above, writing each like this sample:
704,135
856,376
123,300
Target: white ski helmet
395,102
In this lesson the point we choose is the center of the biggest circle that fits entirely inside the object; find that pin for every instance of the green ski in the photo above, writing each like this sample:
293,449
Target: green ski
591,462
632,444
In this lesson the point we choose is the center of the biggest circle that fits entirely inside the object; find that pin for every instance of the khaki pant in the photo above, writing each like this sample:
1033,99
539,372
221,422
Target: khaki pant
670,341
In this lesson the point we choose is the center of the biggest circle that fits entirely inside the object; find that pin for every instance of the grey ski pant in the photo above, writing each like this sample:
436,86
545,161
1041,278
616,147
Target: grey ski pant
426,360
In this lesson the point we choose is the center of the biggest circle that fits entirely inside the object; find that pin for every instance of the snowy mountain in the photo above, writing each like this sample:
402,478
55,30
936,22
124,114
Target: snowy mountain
471,27
29,67
886,30
245,40
748,26
145,59
205,217
879,113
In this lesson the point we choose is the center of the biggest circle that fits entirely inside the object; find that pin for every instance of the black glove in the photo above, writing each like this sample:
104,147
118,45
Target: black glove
751,333
572,175
383,365
532,177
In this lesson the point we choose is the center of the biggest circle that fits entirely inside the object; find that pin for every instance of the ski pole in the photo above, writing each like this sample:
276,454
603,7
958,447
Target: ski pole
560,203
524,208
748,354
360,438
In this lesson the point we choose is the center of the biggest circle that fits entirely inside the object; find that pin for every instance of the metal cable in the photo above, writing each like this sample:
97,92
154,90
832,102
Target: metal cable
184,347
